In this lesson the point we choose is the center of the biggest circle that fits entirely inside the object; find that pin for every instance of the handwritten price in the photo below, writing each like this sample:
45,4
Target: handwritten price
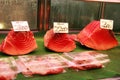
60,27
20,26
106,24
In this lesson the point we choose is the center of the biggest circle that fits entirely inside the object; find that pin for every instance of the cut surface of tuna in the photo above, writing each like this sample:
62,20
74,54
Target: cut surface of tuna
18,43
94,37
59,42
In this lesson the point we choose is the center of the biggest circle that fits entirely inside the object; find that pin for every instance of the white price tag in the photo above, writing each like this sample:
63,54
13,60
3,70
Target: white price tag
106,24
20,26
60,27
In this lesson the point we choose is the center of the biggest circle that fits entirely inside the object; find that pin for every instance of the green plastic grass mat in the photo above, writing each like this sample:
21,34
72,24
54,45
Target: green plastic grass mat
112,69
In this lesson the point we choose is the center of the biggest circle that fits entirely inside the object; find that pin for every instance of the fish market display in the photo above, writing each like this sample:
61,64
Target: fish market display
59,42
18,43
97,38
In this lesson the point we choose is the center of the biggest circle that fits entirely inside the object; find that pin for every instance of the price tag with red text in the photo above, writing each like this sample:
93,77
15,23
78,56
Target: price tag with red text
60,27
106,24
20,26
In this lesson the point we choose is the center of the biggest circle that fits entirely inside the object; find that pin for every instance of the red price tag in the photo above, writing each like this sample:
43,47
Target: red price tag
20,26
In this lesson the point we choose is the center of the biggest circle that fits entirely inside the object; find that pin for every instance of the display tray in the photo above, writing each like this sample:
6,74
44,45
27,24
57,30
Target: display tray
112,69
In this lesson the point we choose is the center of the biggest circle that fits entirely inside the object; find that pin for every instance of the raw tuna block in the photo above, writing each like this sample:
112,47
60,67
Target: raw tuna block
59,42
18,43
94,37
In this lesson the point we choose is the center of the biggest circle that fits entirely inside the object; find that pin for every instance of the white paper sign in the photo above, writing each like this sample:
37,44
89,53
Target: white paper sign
106,24
60,27
20,26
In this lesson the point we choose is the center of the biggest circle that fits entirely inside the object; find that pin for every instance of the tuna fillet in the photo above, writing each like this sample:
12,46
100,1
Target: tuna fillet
8,71
18,43
58,42
87,60
30,65
97,38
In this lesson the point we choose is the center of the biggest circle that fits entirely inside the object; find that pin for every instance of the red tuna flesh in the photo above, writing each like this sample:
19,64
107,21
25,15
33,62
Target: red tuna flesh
18,43
59,42
97,38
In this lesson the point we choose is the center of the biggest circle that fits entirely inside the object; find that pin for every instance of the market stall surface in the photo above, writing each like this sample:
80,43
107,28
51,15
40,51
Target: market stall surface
112,69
